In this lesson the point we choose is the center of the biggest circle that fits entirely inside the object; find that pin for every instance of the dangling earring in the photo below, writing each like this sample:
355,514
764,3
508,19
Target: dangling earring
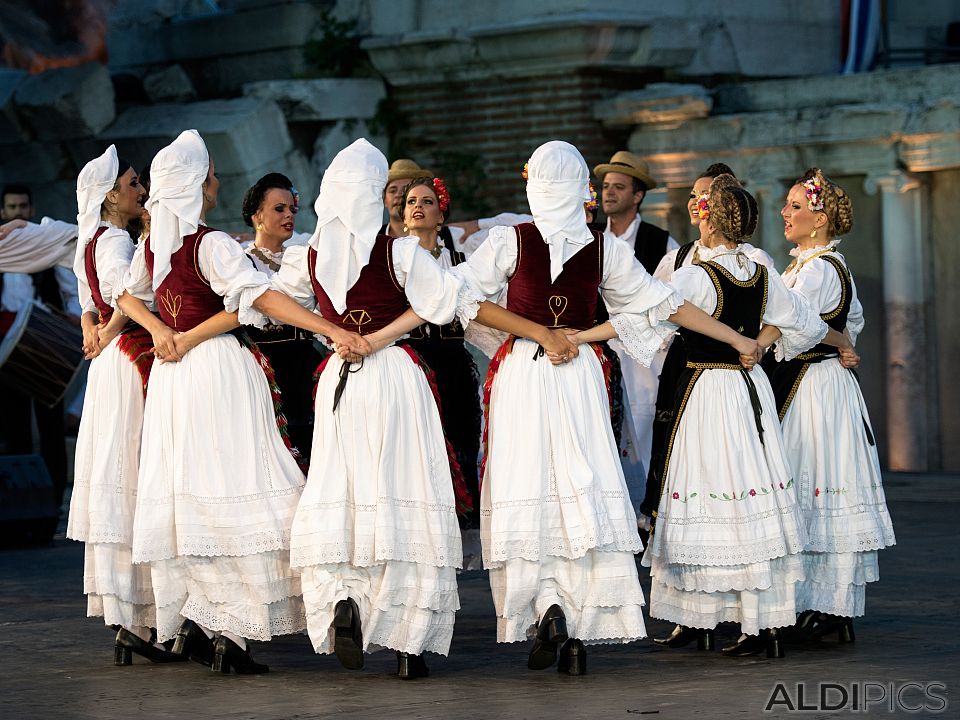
814,233
439,226
259,227
405,229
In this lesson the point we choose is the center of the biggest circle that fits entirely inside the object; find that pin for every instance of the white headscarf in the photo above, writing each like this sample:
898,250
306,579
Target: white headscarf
558,184
177,174
349,214
93,183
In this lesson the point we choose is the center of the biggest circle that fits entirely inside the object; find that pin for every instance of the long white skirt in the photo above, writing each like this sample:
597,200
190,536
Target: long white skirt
377,521
218,491
839,489
556,523
104,496
729,530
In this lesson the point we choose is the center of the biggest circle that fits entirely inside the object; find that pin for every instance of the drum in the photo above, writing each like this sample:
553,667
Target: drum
41,354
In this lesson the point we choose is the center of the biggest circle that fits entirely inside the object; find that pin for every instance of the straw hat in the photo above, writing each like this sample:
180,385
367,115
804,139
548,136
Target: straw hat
629,164
406,169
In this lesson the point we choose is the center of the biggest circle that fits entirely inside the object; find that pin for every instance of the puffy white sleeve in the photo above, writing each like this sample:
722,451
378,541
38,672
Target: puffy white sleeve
435,294
486,271
798,321
293,277
137,281
672,244
114,255
232,275
761,257
36,247
639,305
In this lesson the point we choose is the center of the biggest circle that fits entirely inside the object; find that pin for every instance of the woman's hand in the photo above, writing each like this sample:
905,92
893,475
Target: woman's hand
91,342
106,334
350,342
164,344
749,351
558,346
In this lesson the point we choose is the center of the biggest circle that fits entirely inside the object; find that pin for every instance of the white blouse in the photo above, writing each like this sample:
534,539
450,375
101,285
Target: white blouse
112,257
224,265
638,304
800,326
817,281
434,294
664,271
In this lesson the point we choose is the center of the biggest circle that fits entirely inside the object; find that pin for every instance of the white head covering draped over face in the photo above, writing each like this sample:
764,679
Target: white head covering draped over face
349,214
177,174
93,183
558,184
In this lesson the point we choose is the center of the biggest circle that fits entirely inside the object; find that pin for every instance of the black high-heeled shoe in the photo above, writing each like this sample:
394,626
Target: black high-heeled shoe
347,635
802,630
551,633
192,642
683,636
827,624
769,640
573,658
411,667
227,654
127,644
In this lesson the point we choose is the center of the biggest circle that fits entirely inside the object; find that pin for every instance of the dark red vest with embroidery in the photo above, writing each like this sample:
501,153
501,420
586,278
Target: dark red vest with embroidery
185,298
375,300
90,267
569,301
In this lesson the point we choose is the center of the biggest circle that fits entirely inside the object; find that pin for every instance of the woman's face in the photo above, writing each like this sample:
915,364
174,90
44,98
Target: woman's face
422,209
276,215
211,186
798,220
129,196
699,188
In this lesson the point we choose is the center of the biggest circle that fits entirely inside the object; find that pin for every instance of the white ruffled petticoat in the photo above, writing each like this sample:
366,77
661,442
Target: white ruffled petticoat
377,520
557,524
218,490
729,531
104,496
839,490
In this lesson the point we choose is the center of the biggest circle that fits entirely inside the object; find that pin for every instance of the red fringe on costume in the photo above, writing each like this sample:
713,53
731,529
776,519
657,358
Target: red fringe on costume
494,367
137,344
267,368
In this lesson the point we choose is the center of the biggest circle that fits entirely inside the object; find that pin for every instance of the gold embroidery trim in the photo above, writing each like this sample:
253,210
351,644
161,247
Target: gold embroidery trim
173,304
676,426
359,317
844,287
714,366
793,390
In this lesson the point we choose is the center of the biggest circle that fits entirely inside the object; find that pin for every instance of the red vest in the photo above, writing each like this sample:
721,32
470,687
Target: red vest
90,267
185,298
375,300
571,300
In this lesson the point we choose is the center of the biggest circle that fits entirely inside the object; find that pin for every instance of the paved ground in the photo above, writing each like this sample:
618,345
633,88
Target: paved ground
58,664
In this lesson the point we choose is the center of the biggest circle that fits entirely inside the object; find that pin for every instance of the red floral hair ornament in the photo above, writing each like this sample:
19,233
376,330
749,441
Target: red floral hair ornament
443,195
703,206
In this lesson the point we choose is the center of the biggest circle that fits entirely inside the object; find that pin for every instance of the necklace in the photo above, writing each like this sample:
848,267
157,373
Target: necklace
436,251
267,260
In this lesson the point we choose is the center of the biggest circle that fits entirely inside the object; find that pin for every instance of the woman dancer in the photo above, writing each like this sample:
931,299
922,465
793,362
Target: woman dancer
558,528
726,543
270,207
826,427
376,534
102,504
218,488
425,207
674,362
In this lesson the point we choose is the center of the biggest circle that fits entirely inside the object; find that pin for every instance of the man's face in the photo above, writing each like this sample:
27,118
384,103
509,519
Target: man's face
16,206
618,194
